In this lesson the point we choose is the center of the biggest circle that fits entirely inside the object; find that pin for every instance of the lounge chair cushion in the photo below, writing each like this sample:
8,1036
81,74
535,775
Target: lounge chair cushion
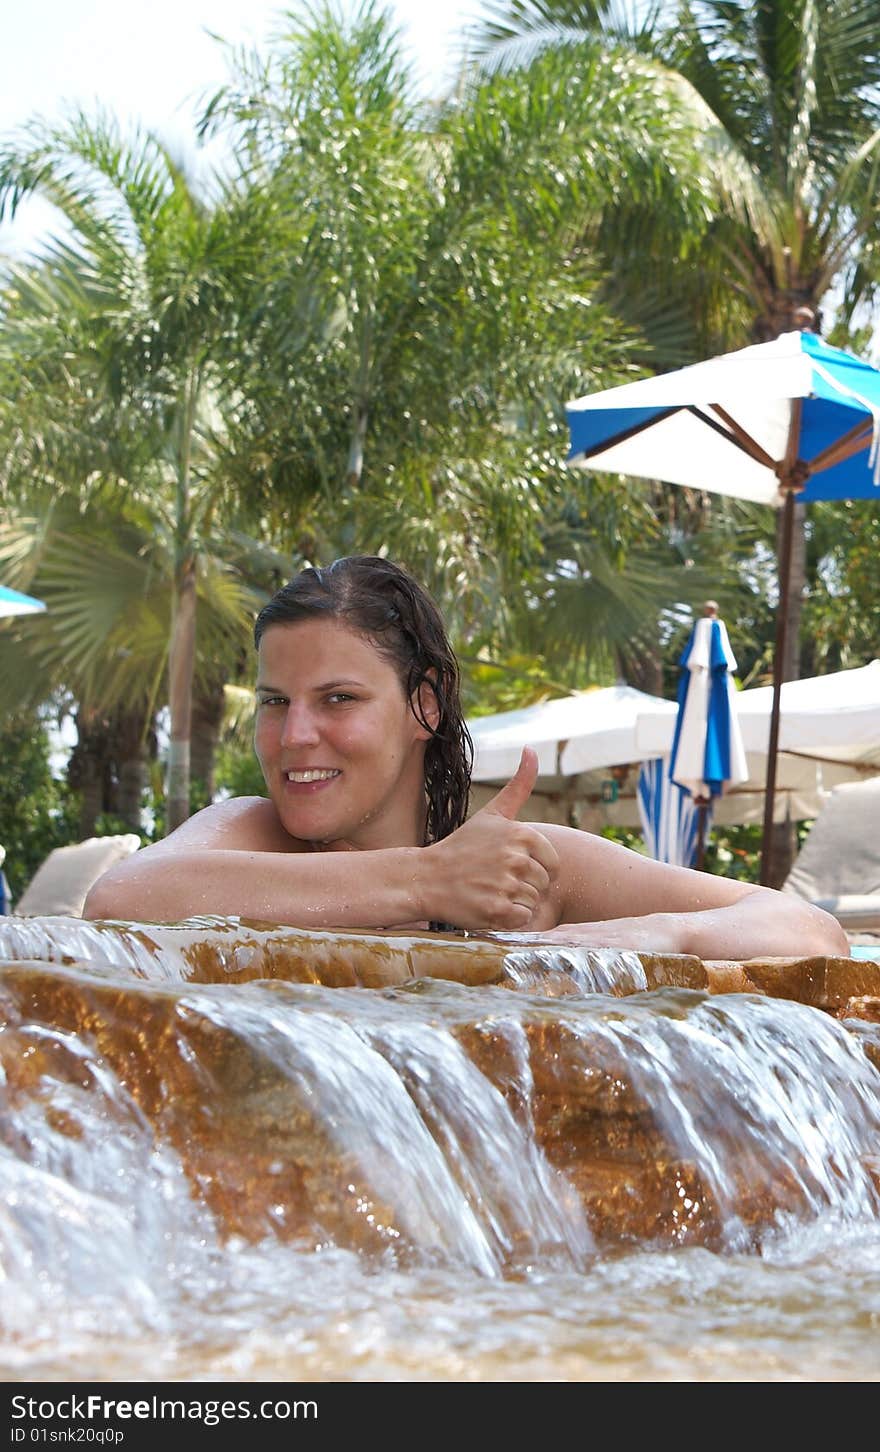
60,885
851,910
838,867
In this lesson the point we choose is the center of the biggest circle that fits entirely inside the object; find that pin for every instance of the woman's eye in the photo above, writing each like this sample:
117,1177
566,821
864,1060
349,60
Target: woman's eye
336,697
270,701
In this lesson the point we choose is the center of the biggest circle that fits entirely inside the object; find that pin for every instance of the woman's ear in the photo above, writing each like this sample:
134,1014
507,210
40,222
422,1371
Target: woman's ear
426,707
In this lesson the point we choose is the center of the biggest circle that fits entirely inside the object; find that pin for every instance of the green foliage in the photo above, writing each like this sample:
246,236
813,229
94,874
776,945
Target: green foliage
735,852
842,614
785,99
105,571
155,806
433,307
625,837
784,102
238,771
505,684
108,824
37,812
120,336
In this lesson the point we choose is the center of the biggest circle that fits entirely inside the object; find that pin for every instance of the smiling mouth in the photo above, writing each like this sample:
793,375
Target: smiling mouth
321,774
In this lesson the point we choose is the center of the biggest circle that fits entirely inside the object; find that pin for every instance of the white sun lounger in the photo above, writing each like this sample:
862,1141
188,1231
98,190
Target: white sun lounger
838,867
61,883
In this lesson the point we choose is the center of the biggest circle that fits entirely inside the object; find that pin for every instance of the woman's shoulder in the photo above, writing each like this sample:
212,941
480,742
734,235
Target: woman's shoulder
239,824
575,840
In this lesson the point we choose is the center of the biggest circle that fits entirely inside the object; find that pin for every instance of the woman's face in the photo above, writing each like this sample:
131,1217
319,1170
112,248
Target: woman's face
339,747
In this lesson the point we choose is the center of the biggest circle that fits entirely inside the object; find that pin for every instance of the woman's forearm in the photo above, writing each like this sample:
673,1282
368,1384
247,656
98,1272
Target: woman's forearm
766,923
305,890
761,924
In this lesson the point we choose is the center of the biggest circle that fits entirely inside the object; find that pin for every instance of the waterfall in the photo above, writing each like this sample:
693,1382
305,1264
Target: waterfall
192,1108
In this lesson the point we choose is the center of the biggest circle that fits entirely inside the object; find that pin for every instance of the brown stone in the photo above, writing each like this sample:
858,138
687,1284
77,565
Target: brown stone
257,1154
338,960
862,1007
827,983
723,977
248,1145
674,970
255,1151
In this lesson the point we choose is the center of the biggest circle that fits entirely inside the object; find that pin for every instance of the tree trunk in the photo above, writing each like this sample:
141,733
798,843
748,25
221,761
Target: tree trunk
88,768
209,704
132,768
355,466
108,766
792,308
181,662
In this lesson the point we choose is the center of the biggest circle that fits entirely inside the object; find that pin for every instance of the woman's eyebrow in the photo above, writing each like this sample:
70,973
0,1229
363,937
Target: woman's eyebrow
334,685
322,686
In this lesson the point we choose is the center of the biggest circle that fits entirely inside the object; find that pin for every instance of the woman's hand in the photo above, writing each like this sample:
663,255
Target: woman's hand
654,933
494,872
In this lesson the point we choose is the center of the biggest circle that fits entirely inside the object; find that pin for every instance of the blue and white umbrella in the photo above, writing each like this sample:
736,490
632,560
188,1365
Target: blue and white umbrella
790,415
779,421
707,747
668,815
12,602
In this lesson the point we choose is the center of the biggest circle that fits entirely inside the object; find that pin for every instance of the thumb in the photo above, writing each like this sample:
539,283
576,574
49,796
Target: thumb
515,793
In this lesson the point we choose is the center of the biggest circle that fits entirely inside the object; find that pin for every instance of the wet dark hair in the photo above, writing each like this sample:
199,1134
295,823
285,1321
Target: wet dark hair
381,601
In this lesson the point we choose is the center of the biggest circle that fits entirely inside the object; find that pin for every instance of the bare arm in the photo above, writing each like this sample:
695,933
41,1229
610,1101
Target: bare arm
494,873
611,896
235,859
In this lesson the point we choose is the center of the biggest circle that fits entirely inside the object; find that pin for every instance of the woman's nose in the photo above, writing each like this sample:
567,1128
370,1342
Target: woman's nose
300,726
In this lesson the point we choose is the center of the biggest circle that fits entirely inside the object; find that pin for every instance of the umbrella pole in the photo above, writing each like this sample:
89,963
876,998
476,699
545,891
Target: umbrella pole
778,677
702,806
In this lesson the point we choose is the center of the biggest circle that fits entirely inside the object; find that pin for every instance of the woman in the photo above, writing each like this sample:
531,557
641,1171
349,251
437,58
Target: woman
363,748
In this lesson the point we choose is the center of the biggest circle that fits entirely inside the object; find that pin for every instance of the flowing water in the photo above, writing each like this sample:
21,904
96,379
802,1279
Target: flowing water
210,1170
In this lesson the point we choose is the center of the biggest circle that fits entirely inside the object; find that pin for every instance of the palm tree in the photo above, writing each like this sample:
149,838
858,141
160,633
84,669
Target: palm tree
114,345
430,301
106,576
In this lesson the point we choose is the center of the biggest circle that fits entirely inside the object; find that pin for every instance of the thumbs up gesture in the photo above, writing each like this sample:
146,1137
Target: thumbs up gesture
512,797
495,870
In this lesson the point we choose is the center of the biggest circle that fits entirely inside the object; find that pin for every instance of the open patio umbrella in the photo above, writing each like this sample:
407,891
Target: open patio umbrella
12,602
779,421
572,734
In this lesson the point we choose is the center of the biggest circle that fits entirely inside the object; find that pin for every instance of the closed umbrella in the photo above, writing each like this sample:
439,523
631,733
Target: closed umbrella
12,602
707,749
790,419
668,815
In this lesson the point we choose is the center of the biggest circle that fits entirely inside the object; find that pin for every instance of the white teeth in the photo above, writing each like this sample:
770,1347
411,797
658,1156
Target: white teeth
301,776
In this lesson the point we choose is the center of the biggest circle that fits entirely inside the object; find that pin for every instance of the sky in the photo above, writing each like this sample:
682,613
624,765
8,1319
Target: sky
151,61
